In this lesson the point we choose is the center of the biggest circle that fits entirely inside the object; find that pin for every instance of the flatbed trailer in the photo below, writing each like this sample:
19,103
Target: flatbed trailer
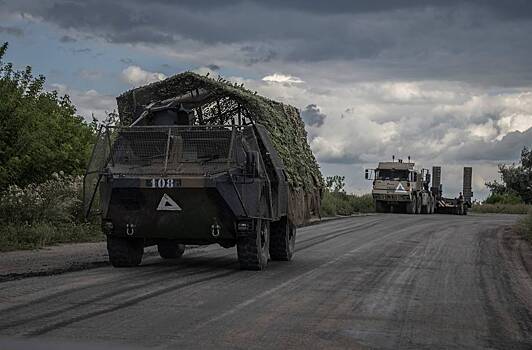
458,205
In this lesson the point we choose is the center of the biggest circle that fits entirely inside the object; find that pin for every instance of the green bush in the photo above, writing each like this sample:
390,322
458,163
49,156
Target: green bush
363,203
57,200
42,214
340,203
501,208
505,198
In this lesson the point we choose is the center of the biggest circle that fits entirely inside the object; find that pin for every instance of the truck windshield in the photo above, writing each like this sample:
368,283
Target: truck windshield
392,174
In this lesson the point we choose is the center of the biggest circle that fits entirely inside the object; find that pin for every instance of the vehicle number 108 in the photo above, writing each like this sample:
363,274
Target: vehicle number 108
163,183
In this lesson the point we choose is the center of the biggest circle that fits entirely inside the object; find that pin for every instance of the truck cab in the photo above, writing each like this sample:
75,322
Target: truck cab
399,187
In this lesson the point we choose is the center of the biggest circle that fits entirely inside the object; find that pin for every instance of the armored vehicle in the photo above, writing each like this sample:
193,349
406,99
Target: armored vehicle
399,187
198,161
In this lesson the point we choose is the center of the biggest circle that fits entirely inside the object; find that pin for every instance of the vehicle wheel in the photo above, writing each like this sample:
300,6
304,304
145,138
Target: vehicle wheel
381,207
124,252
169,249
253,247
418,205
282,240
424,209
411,207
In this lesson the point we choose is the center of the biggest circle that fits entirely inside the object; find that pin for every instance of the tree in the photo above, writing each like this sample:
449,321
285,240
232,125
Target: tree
516,179
40,132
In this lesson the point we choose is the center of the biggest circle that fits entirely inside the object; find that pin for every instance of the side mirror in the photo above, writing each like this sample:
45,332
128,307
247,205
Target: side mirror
366,174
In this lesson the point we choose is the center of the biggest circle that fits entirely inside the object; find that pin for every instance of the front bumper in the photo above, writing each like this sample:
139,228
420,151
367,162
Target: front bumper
391,197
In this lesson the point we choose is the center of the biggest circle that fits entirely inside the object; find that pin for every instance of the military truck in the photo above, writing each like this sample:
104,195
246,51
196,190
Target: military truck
197,161
399,187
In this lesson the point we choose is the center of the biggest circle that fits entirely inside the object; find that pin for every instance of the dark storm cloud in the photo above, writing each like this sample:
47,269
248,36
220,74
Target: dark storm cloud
80,51
509,147
313,116
12,31
475,41
67,39
510,9
213,67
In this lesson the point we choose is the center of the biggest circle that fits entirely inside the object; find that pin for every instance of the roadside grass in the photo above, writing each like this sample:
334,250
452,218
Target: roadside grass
340,203
14,236
44,214
501,208
524,227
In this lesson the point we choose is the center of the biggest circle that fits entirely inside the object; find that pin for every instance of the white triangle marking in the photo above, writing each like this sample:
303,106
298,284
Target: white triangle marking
168,204
400,188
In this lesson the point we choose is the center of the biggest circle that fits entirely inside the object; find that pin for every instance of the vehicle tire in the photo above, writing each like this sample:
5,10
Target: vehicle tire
124,252
425,209
418,205
381,207
411,206
282,240
169,249
253,247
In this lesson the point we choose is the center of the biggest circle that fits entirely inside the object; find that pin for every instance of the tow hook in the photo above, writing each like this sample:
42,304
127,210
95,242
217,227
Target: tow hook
215,229
130,229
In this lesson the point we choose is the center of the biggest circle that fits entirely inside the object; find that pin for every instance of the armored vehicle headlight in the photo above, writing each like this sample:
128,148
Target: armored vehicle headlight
243,226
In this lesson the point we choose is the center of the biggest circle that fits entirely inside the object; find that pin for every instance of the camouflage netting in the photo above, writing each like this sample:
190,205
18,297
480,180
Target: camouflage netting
282,121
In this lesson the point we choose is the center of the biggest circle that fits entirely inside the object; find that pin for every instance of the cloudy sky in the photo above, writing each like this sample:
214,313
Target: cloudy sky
446,82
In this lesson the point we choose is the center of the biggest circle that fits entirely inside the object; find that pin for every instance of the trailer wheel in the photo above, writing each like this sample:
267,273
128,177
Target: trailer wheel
253,247
124,252
170,249
282,239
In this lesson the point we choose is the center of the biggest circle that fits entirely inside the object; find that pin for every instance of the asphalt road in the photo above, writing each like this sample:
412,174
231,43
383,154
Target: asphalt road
384,281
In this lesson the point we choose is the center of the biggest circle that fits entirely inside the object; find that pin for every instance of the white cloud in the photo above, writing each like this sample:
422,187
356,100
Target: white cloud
88,103
282,78
137,76
451,124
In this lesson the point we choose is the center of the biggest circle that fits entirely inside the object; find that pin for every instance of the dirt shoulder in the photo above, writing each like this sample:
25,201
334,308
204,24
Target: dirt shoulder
52,260
517,253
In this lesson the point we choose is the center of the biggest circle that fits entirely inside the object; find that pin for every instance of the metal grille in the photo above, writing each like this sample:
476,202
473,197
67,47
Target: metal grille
173,150
98,161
